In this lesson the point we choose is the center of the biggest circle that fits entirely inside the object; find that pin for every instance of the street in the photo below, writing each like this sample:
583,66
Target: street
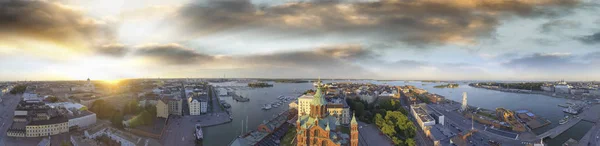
7,106
371,136
459,123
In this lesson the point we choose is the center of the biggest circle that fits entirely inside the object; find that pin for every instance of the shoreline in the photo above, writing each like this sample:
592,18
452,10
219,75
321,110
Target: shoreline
520,91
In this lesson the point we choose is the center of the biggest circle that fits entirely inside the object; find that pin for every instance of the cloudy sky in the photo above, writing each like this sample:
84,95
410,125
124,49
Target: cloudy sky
376,39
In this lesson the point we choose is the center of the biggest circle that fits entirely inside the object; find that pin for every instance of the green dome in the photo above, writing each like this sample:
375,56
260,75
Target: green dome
318,97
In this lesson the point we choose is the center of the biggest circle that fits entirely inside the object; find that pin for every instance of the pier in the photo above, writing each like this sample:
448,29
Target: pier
552,133
589,114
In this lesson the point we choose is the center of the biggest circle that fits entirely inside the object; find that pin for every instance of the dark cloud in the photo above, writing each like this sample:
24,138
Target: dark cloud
52,22
115,50
558,25
418,23
348,52
590,39
173,54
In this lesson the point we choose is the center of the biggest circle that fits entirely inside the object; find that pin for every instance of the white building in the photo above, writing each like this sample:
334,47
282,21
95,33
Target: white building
197,105
194,105
464,105
82,119
304,104
421,115
562,87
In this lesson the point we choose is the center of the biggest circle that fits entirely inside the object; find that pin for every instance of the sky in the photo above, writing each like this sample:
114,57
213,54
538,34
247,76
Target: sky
362,39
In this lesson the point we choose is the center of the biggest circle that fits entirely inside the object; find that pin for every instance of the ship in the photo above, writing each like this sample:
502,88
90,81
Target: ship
570,110
266,107
564,120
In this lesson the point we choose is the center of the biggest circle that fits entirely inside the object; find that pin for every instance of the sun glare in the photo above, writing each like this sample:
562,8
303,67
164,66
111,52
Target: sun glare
112,82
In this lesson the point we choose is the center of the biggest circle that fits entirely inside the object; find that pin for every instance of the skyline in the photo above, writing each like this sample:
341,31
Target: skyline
365,39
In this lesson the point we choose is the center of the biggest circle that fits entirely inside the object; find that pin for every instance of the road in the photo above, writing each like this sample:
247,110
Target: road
7,110
371,136
457,121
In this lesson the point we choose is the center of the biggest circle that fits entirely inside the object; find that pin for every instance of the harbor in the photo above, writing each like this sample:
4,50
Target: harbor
543,107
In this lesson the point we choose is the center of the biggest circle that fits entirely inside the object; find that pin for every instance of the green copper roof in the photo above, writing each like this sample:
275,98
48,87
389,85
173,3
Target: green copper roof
318,97
353,119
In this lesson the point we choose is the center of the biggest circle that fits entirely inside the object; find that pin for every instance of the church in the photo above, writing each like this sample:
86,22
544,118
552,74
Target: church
321,129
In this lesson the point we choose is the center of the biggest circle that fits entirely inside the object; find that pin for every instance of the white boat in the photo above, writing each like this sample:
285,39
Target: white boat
267,107
564,120
570,110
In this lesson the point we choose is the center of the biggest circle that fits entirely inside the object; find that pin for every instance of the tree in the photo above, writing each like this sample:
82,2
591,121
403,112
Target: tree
359,109
19,89
397,141
410,142
52,99
117,119
378,120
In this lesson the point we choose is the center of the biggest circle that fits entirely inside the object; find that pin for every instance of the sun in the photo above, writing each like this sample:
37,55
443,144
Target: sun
112,82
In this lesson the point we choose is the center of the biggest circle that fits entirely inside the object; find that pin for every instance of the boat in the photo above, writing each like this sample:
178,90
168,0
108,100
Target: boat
564,120
563,105
570,110
267,107
199,135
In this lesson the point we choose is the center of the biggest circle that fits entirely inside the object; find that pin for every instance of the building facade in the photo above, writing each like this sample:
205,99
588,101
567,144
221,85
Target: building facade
421,115
175,107
162,109
304,104
194,106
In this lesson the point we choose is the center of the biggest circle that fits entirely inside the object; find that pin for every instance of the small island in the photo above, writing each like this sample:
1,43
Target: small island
259,85
288,81
446,86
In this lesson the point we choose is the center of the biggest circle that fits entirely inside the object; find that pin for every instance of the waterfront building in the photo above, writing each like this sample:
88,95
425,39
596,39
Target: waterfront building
562,87
198,104
320,128
464,105
421,115
578,91
548,88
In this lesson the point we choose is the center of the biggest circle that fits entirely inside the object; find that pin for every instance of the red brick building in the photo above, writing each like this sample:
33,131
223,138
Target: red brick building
321,129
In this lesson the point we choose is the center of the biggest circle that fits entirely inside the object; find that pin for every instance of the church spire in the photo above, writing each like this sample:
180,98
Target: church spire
318,97
353,119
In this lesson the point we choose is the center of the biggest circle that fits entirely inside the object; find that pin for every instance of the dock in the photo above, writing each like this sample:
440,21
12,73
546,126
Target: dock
589,114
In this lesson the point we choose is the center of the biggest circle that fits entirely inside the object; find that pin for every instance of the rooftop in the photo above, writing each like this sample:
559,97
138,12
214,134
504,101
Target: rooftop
55,120
422,114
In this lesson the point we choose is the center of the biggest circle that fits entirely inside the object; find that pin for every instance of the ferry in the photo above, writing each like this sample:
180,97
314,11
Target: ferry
564,120
199,135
